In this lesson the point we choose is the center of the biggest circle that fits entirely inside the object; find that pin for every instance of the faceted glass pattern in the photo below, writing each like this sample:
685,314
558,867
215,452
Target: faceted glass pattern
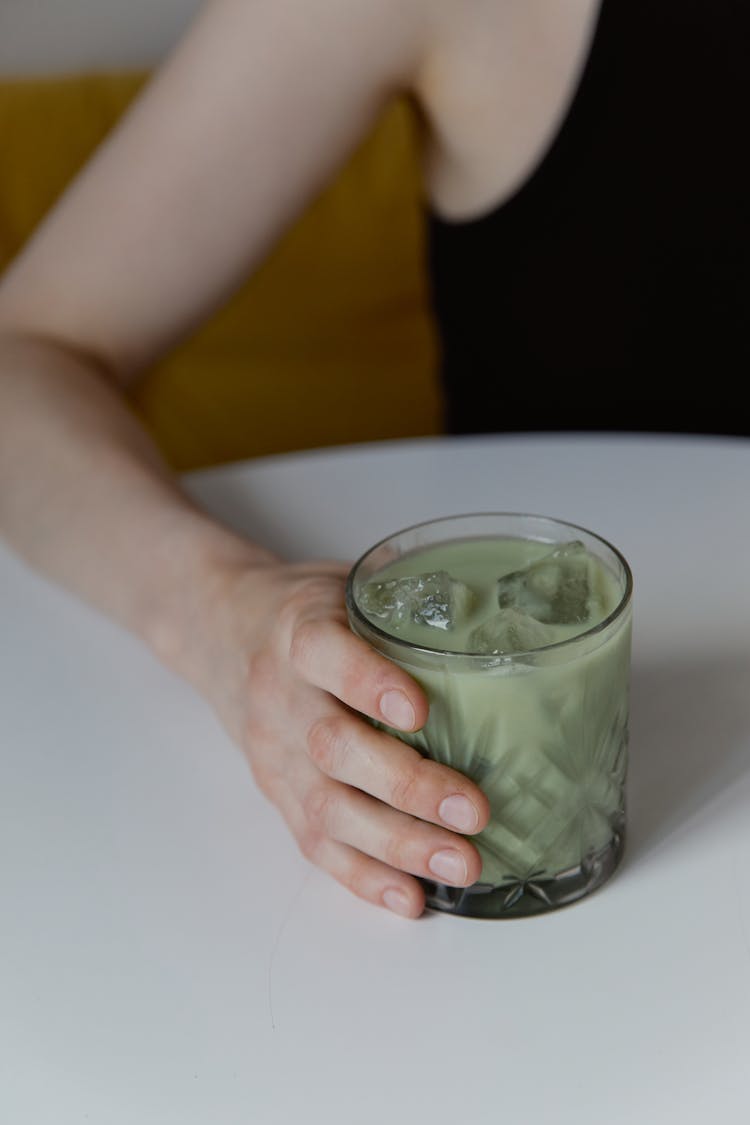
544,735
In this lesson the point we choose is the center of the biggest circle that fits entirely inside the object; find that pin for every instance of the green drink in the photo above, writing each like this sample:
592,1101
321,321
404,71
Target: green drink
518,629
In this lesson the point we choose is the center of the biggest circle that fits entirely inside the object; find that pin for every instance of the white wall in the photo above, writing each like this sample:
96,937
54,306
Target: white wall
43,36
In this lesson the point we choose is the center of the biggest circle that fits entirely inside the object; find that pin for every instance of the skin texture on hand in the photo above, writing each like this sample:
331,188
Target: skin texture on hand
291,683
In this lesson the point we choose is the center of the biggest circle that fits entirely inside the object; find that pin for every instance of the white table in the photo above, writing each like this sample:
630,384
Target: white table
168,957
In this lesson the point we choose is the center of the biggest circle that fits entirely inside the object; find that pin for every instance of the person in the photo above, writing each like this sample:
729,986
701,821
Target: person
587,216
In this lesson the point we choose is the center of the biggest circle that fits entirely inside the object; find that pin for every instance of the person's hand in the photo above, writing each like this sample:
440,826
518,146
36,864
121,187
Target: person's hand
287,677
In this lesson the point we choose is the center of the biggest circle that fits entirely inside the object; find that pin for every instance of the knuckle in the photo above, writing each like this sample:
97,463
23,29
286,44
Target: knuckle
308,596
405,786
302,645
328,743
396,852
317,806
309,843
289,613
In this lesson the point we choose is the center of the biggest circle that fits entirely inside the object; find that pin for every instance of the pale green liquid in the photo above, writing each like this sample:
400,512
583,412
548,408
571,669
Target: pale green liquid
544,736
478,565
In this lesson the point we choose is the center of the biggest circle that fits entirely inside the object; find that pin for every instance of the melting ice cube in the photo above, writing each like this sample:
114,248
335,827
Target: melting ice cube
556,590
510,630
426,599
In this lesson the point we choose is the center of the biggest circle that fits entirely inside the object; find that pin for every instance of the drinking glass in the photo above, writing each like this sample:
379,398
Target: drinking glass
544,733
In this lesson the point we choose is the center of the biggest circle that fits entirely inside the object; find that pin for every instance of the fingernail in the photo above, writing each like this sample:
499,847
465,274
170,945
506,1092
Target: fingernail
458,812
449,866
397,901
397,710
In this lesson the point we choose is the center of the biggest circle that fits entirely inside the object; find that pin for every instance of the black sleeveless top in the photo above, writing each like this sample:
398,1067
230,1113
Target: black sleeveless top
612,291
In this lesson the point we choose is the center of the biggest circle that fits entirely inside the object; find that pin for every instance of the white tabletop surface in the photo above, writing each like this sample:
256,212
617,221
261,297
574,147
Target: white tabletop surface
166,956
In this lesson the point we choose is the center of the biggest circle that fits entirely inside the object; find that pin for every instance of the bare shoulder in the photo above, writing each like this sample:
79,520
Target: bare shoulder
494,84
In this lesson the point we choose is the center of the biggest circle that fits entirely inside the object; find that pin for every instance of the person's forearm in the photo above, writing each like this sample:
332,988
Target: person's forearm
86,498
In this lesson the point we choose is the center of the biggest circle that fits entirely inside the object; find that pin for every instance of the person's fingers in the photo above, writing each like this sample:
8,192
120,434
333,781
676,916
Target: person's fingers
370,879
327,654
401,842
307,810
361,804
347,750
383,848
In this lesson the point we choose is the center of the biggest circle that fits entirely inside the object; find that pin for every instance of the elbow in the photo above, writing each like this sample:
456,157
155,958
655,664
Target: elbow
24,336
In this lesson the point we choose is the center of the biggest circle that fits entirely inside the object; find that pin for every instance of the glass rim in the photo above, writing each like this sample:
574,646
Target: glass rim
496,658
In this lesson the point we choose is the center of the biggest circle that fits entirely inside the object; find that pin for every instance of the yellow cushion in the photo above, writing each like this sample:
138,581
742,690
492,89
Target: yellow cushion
331,341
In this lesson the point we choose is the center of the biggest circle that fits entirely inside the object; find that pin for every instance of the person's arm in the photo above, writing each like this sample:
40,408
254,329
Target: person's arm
244,123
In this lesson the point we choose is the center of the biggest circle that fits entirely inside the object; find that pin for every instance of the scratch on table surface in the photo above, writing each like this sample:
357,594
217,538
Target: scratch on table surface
277,941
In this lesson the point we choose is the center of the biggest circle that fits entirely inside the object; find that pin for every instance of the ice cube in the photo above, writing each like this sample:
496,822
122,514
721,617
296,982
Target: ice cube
425,599
555,590
510,630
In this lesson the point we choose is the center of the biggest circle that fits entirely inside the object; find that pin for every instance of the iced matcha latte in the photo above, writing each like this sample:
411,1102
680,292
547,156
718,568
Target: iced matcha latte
518,629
